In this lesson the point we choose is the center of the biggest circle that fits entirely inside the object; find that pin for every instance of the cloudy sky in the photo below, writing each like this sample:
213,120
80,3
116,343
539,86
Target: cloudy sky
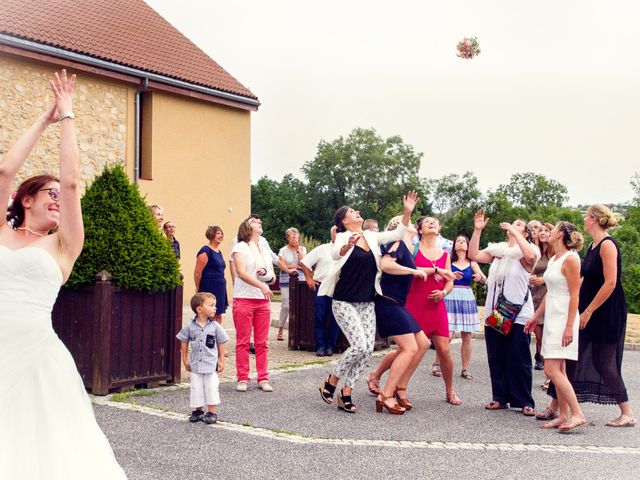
555,89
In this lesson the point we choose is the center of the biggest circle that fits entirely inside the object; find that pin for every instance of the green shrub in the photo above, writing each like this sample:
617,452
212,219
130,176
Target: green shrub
629,240
121,237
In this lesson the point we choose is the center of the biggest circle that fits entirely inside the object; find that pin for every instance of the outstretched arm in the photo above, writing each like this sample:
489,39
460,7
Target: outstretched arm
71,229
479,222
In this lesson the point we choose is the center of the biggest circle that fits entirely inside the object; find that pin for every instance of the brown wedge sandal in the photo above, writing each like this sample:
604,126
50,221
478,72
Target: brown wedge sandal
394,409
403,402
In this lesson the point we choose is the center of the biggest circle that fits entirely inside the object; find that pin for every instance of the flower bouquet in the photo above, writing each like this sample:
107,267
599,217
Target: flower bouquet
468,48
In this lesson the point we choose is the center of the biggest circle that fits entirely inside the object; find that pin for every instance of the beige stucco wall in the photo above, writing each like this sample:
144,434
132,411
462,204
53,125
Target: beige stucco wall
101,108
201,171
201,151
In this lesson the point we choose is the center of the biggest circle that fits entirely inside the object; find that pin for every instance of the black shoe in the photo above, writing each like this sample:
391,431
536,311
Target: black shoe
328,352
196,416
252,348
210,418
539,365
320,352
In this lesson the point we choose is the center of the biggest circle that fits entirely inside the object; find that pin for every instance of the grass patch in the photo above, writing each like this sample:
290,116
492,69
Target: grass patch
633,329
247,424
126,396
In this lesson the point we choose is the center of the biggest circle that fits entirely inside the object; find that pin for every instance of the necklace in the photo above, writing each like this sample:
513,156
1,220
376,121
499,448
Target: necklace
31,231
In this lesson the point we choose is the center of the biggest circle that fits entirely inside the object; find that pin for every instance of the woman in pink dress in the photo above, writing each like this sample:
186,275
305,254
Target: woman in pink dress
426,299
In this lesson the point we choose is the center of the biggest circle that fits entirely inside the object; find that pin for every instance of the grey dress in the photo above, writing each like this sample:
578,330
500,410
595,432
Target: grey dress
539,291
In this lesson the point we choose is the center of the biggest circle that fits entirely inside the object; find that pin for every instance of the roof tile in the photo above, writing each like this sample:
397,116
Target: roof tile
127,32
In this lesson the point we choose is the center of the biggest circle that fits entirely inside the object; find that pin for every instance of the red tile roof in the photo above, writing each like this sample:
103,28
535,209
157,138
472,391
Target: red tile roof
126,32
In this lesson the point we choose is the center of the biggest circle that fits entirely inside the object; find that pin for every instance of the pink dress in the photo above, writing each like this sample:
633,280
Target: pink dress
431,316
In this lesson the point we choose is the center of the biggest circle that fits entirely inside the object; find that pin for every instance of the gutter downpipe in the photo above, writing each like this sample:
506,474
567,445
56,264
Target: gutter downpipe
137,133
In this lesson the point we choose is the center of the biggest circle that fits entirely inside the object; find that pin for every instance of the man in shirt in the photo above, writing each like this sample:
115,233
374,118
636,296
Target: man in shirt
326,328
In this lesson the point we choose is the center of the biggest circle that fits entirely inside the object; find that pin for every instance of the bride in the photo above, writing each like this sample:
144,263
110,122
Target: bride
47,425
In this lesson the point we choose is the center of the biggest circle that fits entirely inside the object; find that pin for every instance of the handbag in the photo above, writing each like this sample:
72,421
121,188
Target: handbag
504,312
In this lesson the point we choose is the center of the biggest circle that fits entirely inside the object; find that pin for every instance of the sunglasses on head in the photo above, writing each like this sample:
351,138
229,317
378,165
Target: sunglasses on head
54,193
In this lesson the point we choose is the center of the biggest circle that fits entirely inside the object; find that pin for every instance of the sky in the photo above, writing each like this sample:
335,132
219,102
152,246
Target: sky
554,91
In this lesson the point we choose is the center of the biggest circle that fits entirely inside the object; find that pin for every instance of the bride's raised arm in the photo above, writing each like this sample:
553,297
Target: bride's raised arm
70,230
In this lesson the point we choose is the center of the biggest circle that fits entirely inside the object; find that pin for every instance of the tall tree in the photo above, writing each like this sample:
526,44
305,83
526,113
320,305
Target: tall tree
453,192
364,170
531,190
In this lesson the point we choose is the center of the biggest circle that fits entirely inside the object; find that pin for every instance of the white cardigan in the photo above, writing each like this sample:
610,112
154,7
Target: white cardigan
374,240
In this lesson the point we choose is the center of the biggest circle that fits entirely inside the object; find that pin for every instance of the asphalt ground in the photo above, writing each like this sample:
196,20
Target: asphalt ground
291,433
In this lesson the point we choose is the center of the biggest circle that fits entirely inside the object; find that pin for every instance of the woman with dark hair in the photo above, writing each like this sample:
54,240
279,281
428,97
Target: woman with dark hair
538,287
353,282
170,232
597,375
208,274
560,309
425,300
43,403
508,354
462,307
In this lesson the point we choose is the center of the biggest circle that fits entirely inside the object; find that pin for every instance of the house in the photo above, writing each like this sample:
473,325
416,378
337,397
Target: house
147,98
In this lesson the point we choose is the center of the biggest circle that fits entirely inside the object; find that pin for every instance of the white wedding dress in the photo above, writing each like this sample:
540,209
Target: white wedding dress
47,426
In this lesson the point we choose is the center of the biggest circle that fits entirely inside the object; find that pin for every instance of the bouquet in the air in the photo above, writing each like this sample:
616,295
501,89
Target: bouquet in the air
468,48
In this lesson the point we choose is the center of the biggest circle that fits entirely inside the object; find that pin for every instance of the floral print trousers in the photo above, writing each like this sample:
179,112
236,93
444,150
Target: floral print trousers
357,321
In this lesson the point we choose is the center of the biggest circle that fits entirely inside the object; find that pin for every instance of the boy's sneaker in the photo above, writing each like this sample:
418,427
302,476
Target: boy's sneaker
242,386
210,418
196,416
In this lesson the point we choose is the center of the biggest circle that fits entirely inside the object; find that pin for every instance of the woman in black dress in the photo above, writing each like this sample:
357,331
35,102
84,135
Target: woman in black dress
208,274
393,320
596,376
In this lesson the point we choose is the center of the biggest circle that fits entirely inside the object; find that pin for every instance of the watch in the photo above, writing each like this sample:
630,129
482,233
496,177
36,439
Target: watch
67,115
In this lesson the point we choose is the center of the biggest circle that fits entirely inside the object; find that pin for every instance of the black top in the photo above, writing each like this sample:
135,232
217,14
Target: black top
176,247
397,286
357,277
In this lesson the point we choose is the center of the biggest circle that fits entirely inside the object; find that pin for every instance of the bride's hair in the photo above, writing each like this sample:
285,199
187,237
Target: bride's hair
28,188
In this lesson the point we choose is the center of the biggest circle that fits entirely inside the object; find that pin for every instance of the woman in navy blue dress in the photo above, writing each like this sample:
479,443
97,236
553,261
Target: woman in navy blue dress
209,271
393,320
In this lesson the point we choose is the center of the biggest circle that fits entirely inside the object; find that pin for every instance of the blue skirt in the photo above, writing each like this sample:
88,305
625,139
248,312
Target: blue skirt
393,319
463,310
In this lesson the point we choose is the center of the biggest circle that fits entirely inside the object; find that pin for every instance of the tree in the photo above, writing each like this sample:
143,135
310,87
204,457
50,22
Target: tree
453,192
363,170
122,238
531,190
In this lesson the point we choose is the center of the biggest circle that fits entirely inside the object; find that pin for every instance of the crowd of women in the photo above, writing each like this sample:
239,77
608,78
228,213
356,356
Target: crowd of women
405,284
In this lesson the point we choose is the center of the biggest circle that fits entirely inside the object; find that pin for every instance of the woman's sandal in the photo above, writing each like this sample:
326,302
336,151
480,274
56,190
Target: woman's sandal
403,402
435,370
280,337
345,403
548,414
394,409
373,385
453,399
495,406
553,424
622,421
528,411
327,391
466,375
571,424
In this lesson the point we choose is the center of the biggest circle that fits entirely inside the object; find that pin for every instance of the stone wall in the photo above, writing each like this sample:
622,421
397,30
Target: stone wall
101,118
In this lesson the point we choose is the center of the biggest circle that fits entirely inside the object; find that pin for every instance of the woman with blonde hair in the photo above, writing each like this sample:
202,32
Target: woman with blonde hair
597,375
560,309
289,258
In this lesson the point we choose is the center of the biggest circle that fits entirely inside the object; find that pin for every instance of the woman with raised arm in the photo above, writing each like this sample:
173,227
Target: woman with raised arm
425,300
353,282
508,355
47,422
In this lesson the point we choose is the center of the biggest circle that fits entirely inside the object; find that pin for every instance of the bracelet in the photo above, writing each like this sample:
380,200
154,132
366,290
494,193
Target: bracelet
588,312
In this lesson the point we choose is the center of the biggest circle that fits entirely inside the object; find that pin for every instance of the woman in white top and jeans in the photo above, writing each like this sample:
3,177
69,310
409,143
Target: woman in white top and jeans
251,302
508,355
353,282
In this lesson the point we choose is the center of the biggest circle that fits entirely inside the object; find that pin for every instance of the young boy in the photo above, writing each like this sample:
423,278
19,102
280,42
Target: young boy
205,337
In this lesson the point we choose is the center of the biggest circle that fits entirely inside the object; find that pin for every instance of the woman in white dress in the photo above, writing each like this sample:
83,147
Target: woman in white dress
47,426
561,322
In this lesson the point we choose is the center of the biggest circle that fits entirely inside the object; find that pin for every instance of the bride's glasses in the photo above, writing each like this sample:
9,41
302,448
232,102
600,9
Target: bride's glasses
54,193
